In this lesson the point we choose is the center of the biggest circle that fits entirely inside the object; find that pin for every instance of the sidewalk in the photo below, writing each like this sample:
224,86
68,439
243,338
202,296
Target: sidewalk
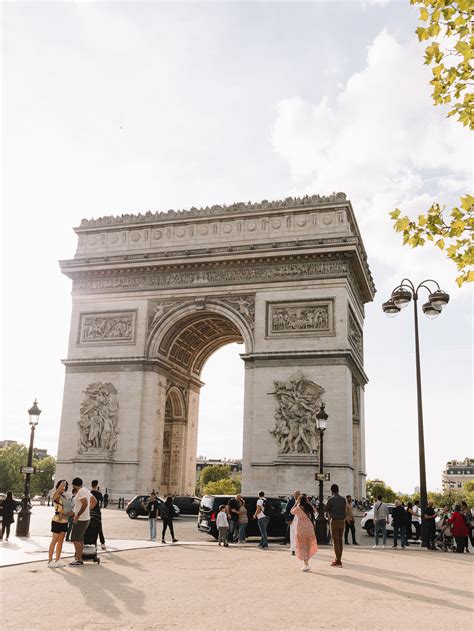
203,587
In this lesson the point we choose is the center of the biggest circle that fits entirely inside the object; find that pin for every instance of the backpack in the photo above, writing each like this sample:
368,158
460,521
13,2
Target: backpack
268,508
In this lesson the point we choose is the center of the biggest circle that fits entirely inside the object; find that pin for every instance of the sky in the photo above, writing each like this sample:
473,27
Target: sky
118,107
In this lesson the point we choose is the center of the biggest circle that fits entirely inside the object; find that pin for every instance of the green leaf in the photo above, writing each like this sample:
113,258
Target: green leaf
440,244
395,213
402,224
422,220
424,15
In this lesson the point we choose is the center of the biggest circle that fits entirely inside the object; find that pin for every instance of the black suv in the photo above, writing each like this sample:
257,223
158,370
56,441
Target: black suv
135,507
210,507
187,504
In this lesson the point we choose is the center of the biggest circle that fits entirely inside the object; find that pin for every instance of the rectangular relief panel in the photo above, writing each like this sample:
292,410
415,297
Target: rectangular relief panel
107,327
354,333
298,318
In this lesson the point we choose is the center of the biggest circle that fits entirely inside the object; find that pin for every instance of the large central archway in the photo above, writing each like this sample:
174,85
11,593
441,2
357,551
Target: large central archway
181,341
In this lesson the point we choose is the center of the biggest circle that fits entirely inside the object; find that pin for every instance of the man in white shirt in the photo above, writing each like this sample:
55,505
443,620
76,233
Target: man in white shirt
83,502
262,520
416,519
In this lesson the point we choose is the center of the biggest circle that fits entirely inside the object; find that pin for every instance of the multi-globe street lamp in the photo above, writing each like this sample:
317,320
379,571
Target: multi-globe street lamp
321,521
437,300
23,520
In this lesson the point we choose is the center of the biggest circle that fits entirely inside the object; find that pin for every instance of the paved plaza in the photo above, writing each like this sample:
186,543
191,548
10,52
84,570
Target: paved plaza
196,585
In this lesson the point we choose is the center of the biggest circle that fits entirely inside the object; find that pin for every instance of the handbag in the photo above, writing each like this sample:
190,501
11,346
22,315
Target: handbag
67,505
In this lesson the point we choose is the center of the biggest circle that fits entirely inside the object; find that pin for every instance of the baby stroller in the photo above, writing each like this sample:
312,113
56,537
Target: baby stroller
445,540
89,552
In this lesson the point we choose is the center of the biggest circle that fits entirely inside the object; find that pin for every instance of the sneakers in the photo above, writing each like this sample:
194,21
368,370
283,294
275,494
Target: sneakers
76,564
52,564
383,546
396,546
355,543
163,541
376,546
336,563
60,564
293,553
174,540
102,545
305,568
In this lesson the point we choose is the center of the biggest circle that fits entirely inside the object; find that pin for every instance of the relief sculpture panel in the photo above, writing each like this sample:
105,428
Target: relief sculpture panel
298,401
299,318
98,424
107,327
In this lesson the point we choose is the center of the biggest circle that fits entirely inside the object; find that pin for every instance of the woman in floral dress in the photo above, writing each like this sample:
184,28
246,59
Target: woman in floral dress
306,544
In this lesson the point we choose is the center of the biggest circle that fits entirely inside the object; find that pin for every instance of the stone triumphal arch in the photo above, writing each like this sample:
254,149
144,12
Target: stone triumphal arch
155,295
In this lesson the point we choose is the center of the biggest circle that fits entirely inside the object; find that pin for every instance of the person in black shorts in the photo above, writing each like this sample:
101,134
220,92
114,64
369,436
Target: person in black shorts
62,506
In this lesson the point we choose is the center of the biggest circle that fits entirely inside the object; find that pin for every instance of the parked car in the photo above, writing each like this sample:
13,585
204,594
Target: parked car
187,504
210,507
135,508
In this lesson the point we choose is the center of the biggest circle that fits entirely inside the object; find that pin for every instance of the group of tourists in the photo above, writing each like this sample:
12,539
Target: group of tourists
73,512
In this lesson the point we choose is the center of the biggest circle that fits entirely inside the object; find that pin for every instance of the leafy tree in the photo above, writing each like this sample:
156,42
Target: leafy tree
378,487
468,493
15,456
224,486
11,459
213,473
42,480
448,24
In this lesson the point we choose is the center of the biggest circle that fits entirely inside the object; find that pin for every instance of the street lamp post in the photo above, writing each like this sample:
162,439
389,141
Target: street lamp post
437,300
23,520
321,521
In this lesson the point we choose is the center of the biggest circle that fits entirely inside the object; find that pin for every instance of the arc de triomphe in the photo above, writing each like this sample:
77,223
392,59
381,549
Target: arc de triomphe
155,295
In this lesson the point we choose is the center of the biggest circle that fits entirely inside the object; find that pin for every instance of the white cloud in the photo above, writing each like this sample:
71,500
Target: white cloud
383,142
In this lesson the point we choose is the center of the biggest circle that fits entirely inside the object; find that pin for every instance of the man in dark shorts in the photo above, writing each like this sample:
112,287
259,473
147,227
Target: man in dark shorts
95,491
233,506
83,502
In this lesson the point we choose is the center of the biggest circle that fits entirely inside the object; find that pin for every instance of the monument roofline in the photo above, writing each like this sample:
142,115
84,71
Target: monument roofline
307,201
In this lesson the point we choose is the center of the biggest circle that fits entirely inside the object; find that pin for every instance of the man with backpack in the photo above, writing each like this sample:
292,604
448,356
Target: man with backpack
262,514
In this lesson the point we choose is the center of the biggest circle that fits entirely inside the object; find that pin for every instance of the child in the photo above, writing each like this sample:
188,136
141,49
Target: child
222,524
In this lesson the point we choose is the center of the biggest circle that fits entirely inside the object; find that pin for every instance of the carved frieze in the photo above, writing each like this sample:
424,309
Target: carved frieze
210,211
302,317
105,327
298,401
98,424
355,333
213,276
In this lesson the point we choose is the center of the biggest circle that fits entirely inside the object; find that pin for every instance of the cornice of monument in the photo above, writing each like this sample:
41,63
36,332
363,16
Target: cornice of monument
307,201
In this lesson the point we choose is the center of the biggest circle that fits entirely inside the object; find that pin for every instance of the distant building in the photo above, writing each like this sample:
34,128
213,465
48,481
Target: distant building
457,473
7,443
39,454
201,463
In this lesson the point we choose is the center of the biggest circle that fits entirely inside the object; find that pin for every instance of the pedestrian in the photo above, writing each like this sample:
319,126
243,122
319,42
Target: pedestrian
466,511
399,522
350,523
106,499
292,519
336,509
152,511
62,507
408,522
381,515
95,491
430,523
222,524
233,506
243,520
262,520
8,506
460,529
167,516
83,502
305,537
415,519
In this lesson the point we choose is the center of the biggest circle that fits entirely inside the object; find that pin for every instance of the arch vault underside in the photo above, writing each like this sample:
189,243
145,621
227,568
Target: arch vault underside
155,295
